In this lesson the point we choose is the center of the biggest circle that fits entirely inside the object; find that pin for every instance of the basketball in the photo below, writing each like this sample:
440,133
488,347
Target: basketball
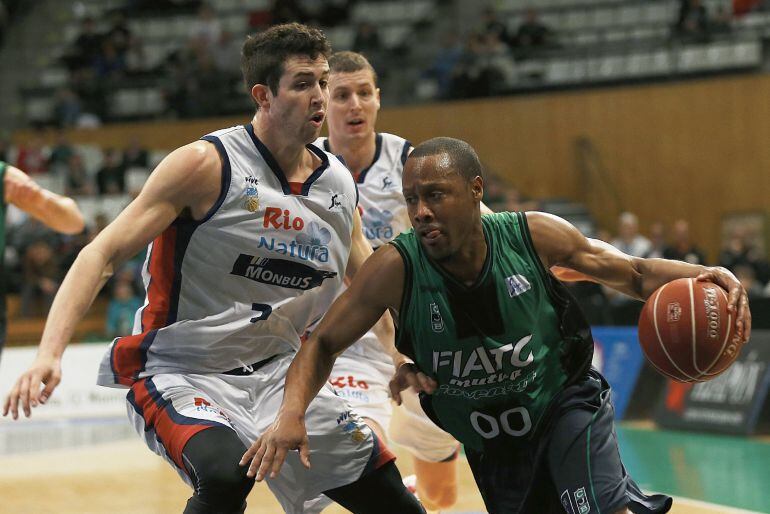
686,331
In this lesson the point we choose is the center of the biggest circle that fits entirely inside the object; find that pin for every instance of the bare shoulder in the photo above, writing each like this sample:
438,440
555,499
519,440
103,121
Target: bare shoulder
190,175
555,239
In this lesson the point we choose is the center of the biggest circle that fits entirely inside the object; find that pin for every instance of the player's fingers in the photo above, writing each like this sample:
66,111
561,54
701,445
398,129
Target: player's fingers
304,453
426,383
47,391
267,461
24,395
13,400
249,454
280,456
744,318
256,460
395,391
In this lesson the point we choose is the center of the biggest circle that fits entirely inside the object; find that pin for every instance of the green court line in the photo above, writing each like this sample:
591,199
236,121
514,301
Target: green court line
733,471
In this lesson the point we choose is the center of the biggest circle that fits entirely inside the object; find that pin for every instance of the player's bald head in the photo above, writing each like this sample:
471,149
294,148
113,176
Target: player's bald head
452,156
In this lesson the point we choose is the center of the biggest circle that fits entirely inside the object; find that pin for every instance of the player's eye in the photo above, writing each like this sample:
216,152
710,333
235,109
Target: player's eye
323,83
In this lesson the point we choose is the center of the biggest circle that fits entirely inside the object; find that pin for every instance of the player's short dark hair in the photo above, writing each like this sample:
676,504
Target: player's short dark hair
263,55
350,62
463,157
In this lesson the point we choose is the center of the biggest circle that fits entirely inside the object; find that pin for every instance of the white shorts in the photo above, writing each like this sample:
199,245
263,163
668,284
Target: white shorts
411,428
168,409
364,384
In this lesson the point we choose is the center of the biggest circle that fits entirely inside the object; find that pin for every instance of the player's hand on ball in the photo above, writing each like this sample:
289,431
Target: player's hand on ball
46,372
266,454
738,299
408,375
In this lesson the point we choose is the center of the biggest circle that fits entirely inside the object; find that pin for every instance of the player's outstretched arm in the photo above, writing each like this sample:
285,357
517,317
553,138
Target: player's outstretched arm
55,211
559,243
376,287
186,179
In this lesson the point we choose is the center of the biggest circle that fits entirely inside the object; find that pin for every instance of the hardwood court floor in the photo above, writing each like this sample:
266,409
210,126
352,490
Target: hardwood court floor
124,477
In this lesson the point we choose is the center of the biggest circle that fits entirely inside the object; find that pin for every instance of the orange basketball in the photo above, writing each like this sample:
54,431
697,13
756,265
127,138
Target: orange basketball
686,331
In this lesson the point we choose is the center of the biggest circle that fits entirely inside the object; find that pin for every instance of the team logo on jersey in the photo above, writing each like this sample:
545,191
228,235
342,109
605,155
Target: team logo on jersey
377,224
316,235
386,182
279,272
436,321
517,284
352,425
335,202
581,501
252,194
566,502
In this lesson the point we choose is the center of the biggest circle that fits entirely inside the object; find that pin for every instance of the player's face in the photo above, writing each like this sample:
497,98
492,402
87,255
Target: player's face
353,105
440,203
299,108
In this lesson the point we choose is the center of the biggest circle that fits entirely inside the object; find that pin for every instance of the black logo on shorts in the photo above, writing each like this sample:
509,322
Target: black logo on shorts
279,272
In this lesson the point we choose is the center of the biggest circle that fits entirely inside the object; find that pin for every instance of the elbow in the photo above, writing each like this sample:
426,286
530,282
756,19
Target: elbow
75,223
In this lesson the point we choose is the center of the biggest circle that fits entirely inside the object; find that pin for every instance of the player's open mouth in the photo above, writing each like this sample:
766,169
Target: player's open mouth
317,118
430,235
356,122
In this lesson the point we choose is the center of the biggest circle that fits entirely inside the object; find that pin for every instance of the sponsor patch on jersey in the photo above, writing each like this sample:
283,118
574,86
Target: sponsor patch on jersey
279,272
517,284
566,502
436,321
351,424
251,193
581,501
336,200
377,224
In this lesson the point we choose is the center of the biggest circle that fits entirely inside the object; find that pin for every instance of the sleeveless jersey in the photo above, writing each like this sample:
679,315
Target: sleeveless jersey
500,349
383,212
240,285
382,206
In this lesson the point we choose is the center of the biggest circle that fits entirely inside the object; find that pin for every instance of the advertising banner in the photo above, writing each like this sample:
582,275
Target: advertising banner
618,356
730,403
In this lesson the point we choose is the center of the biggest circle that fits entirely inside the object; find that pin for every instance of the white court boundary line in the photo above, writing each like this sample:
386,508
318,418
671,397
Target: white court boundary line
713,507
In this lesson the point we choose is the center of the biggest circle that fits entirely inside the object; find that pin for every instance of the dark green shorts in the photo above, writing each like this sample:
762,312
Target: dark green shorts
573,466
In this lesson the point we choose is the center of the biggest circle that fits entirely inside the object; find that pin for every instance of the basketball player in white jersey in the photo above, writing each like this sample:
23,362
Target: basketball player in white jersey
250,231
362,373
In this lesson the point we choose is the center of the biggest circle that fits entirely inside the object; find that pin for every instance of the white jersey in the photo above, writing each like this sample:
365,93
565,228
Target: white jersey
383,211
241,285
382,206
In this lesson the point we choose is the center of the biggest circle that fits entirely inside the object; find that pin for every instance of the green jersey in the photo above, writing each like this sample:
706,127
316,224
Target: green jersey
500,349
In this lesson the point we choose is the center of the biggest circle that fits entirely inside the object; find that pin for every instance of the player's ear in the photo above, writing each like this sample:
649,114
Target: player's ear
477,188
261,94
377,95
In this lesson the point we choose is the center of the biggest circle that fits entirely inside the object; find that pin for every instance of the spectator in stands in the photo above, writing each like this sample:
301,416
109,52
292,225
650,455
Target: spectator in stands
657,240
207,29
87,45
443,65
492,24
135,155
42,277
693,21
77,182
475,75
515,201
68,108
741,250
119,34
122,306
532,34
109,64
286,11
111,178
748,279
629,240
226,55
32,156
682,248
61,152
367,40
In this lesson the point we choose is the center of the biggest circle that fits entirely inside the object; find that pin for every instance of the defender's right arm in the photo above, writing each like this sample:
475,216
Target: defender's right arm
187,180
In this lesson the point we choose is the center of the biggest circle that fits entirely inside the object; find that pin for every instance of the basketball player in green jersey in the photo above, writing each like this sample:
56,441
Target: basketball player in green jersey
495,339
57,212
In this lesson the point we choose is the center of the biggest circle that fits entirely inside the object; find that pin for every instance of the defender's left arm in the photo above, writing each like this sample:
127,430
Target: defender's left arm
559,243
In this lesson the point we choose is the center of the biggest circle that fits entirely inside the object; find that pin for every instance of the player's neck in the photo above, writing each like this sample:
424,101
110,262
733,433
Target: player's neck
291,155
358,153
466,265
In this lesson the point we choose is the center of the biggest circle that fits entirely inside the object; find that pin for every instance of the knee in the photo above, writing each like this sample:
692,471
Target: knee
223,484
